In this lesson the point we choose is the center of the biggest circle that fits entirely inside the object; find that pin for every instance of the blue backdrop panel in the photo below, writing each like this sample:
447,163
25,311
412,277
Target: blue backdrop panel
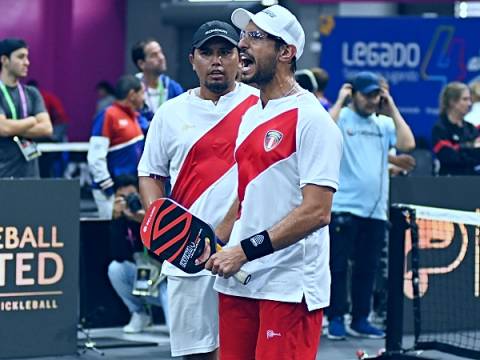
417,56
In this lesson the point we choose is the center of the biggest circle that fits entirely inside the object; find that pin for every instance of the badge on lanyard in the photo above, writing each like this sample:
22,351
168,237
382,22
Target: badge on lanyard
27,147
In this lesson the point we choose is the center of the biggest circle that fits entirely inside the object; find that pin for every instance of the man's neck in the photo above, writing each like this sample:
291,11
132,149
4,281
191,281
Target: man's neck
280,86
205,94
8,79
151,80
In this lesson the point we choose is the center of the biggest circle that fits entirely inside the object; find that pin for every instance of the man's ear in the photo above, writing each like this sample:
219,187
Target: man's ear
287,53
3,59
190,58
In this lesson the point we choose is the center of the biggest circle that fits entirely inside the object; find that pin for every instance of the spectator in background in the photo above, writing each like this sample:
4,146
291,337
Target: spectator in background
148,57
358,225
129,258
22,114
105,96
473,116
456,143
53,164
117,140
315,80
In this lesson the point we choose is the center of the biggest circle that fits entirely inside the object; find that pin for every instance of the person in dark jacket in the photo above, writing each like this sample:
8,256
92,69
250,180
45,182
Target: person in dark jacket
456,142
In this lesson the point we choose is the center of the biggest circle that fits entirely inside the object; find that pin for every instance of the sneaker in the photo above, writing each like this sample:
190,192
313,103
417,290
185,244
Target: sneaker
336,329
138,323
362,328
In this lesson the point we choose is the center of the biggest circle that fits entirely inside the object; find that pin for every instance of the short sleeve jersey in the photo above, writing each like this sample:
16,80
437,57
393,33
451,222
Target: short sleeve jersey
192,140
364,179
12,162
290,143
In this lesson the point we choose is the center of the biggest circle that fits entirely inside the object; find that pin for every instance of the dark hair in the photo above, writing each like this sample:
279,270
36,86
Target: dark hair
322,78
125,84
138,51
105,85
9,45
125,180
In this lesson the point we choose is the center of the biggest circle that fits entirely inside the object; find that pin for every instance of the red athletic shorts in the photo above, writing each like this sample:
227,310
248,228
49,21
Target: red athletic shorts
253,329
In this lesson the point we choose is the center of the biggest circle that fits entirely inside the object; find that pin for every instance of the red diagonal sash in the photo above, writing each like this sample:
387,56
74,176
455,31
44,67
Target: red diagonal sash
252,157
210,157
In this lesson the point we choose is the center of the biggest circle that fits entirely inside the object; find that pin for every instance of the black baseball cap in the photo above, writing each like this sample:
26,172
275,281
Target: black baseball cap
366,82
213,29
8,46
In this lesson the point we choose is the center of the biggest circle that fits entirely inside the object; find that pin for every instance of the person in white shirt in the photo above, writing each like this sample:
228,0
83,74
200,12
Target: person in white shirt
473,116
196,151
148,57
288,157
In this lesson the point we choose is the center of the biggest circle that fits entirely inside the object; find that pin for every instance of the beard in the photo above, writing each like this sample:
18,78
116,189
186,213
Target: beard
264,72
217,87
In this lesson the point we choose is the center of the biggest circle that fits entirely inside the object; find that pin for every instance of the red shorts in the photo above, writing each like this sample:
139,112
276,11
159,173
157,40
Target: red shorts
253,329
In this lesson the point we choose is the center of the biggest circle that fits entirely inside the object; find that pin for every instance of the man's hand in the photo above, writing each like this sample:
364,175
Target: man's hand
119,205
388,105
344,92
227,262
404,161
120,209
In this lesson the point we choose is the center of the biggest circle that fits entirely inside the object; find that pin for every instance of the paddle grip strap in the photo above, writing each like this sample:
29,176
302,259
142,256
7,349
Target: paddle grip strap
257,246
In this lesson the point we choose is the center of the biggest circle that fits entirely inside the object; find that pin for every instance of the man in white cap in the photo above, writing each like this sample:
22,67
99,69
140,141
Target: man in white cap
288,156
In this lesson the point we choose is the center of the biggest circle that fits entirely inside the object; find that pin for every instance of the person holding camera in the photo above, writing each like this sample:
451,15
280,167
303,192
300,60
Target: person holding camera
134,275
370,124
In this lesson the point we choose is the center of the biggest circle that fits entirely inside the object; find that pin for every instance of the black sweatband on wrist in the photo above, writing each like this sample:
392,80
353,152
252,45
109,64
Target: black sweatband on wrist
257,246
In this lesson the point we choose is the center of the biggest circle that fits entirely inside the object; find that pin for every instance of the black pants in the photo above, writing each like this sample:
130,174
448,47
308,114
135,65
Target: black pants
360,240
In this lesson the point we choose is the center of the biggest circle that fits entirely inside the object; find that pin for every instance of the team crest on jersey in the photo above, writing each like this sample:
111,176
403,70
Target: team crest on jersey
272,139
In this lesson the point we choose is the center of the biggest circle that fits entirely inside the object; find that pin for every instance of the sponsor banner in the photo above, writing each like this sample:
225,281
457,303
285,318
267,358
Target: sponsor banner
417,56
39,258
449,252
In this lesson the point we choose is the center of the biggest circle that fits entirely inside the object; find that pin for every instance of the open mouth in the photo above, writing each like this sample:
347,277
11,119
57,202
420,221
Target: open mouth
247,63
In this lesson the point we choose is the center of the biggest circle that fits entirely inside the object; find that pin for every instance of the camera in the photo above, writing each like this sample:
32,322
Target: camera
133,202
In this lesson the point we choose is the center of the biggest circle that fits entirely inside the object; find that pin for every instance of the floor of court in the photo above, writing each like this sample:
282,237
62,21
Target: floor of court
329,350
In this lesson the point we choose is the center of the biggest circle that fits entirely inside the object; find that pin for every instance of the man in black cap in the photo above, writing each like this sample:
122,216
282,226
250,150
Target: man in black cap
371,124
22,114
196,151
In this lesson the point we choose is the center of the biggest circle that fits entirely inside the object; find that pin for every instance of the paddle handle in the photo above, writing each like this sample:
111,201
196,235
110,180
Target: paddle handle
241,276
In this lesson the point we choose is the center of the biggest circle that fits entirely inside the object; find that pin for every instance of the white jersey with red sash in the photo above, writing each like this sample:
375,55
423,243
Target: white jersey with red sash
294,142
192,140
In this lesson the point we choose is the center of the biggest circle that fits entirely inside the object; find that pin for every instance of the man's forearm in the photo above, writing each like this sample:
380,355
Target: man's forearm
405,138
150,190
39,130
10,127
298,224
224,229
43,128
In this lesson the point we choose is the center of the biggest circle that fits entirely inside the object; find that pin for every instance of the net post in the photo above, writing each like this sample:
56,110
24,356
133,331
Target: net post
396,259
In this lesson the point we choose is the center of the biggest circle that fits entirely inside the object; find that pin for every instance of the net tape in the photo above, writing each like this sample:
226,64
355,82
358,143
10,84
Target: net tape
442,214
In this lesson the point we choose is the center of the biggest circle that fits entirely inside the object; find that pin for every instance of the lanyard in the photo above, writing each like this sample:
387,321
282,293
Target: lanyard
161,92
10,103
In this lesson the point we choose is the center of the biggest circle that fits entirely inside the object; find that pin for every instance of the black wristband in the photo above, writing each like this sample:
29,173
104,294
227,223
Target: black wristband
257,246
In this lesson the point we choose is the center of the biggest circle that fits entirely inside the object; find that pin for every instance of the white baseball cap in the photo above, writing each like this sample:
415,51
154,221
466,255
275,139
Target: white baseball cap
275,20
